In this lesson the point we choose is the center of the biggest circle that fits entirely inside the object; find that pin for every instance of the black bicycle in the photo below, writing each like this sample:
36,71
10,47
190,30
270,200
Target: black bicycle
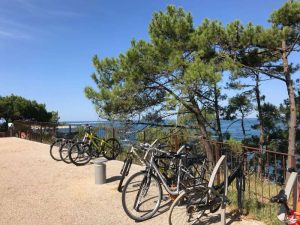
192,202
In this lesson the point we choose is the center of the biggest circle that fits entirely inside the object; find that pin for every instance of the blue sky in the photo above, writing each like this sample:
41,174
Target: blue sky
46,46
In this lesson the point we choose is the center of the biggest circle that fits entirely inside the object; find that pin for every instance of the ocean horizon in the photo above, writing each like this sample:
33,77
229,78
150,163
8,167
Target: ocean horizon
233,127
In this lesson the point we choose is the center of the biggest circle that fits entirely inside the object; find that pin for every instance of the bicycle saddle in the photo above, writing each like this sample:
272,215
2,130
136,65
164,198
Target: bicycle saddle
87,128
280,198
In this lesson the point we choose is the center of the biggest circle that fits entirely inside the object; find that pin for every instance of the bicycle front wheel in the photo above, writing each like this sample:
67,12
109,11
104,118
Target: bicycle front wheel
188,207
141,196
80,153
111,148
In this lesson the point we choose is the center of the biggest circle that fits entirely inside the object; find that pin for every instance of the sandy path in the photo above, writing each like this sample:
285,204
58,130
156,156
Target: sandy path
36,190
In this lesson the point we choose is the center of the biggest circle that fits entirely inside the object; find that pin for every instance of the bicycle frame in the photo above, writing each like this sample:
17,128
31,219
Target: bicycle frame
91,140
151,166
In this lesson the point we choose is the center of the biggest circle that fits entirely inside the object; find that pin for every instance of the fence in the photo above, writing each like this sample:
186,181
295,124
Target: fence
266,169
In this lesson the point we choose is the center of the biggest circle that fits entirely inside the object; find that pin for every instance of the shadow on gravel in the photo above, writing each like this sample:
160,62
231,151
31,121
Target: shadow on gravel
112,179
215,218
165,205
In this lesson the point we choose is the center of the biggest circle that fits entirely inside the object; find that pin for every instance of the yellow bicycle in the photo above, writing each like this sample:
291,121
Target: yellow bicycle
92,147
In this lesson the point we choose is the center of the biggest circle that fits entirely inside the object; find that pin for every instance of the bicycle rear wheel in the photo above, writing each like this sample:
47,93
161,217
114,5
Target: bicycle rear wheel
111,148
188,207
80,153
54,149
141,196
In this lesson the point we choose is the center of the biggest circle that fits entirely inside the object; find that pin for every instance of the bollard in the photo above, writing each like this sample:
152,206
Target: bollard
100,171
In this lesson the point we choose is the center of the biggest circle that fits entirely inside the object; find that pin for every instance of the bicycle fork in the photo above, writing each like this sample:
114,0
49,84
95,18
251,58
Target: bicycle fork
145,184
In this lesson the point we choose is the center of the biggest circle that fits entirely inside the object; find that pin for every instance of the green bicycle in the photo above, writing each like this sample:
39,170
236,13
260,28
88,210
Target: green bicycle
92,146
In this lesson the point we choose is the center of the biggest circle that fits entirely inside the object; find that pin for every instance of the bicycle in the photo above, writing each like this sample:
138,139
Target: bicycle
191,204
142,193
287,215
131,155
56,146
82,152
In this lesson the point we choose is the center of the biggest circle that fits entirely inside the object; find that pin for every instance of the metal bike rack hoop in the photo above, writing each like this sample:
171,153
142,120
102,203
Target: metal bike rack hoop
288,190
222,160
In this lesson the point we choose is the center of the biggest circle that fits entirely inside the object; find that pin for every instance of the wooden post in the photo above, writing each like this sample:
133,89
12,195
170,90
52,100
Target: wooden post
176,142
41,134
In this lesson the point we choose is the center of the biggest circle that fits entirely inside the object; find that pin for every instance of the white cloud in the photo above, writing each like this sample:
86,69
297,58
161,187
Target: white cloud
13,35
37,9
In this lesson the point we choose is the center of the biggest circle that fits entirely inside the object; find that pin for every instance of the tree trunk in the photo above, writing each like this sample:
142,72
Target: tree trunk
293,113
261,123
260,116
217,110
242,124
203,140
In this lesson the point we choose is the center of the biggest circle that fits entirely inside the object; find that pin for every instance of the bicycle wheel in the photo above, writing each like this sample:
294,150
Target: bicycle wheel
188,207
124,172
54,149
79,153
111,148
64,151
141,196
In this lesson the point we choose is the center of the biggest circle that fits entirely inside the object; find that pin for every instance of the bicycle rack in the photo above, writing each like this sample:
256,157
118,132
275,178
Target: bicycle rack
289,188
222,160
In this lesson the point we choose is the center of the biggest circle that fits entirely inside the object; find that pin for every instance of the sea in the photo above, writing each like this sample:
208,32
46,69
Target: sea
234,128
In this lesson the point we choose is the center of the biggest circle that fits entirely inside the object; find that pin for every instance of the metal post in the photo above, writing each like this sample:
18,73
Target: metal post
222,160
289,188
100,171
223,207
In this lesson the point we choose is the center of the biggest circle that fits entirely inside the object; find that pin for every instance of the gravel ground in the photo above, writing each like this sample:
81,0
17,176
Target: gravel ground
36,190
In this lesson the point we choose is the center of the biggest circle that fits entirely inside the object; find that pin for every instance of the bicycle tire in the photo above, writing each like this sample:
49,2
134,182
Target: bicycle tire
185,209
111,148
80,153
64,151
54,149
138,212
124,172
